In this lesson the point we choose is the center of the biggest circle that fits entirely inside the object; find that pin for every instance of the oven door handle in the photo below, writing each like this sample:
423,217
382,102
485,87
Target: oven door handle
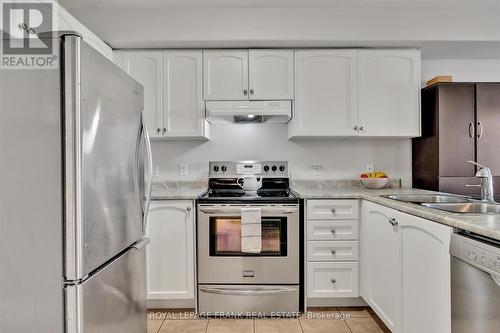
248,292
232,211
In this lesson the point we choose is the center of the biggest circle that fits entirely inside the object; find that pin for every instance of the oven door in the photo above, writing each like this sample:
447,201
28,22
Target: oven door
220,259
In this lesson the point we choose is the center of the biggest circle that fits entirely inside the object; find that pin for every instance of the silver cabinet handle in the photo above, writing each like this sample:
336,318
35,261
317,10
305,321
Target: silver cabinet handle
245,92
333,210
188,209
480,131
471,130
158,130
473,185
333,231
248,292
252,91
356,128
361,128
333,252
333,280
164,130
393,222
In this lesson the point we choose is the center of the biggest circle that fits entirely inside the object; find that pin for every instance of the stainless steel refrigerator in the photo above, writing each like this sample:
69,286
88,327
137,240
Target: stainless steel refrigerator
73,196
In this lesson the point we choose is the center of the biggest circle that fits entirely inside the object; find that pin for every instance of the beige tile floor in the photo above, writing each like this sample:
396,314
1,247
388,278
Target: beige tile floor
316,320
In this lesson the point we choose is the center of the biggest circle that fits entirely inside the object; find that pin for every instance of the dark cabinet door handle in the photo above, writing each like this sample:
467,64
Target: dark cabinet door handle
480,129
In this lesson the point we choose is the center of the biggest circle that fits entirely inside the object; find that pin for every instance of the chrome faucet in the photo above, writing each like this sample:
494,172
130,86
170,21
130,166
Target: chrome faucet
487,193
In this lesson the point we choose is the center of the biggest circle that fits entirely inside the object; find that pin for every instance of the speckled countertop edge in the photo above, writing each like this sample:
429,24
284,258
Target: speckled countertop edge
485,225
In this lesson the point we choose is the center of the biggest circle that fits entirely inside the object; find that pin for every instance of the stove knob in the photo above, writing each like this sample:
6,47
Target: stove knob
266,168
224,168
282,168
274,168
216,168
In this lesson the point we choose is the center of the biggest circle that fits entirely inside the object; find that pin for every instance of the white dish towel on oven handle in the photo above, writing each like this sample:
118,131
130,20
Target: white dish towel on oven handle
251,230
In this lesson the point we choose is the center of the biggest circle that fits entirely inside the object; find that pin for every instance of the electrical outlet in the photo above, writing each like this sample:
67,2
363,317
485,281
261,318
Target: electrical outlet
183,169
317,169
369,167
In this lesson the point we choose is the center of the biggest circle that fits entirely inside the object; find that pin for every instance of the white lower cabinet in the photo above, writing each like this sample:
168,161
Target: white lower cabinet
332,251
332,279
170,255
405,270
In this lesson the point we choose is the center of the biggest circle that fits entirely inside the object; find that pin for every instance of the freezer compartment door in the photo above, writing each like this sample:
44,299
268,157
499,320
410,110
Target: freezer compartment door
263,299
104,192
113,300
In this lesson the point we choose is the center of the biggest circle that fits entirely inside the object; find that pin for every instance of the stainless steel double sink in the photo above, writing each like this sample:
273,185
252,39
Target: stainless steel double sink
449,202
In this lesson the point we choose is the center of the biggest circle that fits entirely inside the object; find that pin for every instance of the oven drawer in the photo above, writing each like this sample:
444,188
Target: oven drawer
248,298
332,279
332,230
332,209
332,250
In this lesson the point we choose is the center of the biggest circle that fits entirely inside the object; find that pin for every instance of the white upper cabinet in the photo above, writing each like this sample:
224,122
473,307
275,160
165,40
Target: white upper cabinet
183,107
325,93
225,74
146,68
389,92
172,81
170,255
270,74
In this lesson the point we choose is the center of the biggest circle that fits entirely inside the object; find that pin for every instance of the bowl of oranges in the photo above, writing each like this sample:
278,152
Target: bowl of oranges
374,180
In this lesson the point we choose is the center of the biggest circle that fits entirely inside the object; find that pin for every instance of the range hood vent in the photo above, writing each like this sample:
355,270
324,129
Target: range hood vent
273,112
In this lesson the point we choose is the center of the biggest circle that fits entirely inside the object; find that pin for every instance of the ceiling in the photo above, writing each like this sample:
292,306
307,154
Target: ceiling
443,29
272,3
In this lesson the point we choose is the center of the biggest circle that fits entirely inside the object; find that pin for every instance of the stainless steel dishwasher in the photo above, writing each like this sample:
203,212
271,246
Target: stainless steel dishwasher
475,284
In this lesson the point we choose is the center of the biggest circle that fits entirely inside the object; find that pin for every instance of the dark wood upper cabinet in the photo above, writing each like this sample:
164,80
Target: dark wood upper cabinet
456,129
488,125
460,122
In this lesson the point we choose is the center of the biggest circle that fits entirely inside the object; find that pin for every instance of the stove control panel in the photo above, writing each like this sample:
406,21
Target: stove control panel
235,169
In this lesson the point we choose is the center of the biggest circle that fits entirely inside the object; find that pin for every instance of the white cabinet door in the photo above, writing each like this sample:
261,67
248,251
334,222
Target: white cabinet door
389,92
225,75
381,264
325,93
426,275
270,74
183,107
146,68
170,255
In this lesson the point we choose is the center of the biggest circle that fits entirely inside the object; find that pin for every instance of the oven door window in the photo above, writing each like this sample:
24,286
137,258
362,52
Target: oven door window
225,237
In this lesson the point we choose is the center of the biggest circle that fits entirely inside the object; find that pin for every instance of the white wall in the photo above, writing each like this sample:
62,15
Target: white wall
474,70
340,158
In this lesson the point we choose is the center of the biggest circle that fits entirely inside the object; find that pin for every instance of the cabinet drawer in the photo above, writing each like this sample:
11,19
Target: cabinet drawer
332,279
332,209
332,250
332,230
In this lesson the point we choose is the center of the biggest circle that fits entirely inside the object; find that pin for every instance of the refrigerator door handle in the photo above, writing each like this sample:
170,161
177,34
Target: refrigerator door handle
150,172
141,244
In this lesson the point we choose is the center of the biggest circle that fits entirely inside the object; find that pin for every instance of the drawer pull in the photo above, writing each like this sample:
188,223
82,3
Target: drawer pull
333,280
333,210
333,252
333,231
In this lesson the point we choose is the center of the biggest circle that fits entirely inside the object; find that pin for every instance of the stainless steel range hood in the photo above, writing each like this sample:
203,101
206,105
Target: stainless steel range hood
275,112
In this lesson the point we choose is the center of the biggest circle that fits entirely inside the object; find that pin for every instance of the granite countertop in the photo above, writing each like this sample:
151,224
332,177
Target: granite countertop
481,224
182,190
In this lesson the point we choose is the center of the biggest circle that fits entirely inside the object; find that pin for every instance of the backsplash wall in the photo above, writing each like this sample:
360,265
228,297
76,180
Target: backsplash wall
339,158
